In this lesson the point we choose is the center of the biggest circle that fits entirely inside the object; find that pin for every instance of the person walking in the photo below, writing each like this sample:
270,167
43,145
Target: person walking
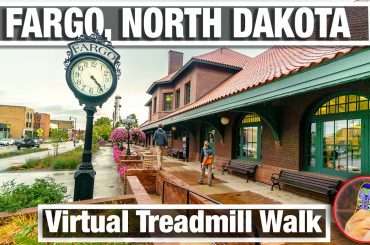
207,157
160,141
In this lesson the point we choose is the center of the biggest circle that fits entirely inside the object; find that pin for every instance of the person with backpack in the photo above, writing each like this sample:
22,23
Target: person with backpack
160,141
207,156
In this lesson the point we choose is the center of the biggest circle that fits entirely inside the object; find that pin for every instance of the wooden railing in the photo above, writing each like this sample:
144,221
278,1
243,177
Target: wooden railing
189,192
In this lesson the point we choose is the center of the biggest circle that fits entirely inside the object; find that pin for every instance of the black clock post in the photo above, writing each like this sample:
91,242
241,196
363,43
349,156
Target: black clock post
85,175
92,70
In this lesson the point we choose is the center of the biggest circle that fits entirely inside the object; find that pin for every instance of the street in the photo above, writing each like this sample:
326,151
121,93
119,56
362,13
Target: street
107,182
5,163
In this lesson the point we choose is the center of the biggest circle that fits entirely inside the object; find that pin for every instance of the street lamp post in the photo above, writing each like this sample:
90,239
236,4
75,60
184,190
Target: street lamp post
74,131
128,122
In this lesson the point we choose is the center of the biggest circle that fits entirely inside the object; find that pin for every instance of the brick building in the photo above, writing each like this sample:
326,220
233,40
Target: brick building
63,124
42,120
19,120
297,108
66,125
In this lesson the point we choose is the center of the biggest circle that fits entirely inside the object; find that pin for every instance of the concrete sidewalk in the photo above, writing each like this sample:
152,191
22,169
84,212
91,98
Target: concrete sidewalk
227,183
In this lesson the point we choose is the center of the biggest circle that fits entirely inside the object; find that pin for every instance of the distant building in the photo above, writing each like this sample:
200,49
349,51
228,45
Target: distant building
4,131
62,124
66,125
18,121
42,121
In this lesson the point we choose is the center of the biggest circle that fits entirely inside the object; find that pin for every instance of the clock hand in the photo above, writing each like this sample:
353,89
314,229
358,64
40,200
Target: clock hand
97,83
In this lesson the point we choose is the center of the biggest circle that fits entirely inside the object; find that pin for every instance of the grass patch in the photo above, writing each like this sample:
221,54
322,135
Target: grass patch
21,152
67,160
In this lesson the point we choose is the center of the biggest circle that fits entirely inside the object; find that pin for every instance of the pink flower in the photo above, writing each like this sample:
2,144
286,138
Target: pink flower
122,170
119,135
137,135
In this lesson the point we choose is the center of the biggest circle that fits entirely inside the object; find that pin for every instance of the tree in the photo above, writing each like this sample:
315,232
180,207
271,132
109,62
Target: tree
135,124
102,129
102,121
58,135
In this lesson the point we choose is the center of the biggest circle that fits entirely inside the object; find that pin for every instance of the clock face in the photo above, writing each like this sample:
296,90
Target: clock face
91,77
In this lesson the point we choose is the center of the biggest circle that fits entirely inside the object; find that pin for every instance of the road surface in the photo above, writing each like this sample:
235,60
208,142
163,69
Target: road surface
5,163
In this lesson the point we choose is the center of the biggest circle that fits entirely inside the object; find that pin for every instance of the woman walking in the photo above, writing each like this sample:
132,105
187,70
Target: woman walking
207,156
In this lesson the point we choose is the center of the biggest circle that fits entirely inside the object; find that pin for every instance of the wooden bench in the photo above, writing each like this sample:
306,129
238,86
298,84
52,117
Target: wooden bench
176,153
314,183
244,168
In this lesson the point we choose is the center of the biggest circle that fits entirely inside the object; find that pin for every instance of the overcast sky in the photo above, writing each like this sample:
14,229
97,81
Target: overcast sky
35,77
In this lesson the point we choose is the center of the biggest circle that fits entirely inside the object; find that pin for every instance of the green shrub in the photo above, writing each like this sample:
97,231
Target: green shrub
37,163
68,161
17,196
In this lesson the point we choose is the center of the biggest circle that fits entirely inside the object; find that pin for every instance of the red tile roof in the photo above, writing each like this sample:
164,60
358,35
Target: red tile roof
220,56
270,65
224,56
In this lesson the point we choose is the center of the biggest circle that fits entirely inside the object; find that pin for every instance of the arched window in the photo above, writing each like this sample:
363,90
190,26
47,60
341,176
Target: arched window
337,142
250,137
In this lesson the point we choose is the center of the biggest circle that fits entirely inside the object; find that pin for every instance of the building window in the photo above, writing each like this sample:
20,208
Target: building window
167,101
187,93
250,137
155,105
177,98
337,136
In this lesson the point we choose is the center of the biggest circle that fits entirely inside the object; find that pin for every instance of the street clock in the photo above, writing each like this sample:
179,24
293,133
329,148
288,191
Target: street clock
92,69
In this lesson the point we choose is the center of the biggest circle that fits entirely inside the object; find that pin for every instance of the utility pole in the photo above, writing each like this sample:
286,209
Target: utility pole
116,112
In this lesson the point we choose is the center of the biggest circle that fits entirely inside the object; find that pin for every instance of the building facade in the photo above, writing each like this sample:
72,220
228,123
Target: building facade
19,120
42,121
304,109
66,125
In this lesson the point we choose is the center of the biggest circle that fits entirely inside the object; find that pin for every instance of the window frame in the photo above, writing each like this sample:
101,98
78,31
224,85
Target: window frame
187,93
155,104
319,120
243,125
177,98
164,105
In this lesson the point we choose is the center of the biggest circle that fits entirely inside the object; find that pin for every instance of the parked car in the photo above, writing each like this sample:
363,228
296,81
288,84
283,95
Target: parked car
11,141
27,143
4,142
40,141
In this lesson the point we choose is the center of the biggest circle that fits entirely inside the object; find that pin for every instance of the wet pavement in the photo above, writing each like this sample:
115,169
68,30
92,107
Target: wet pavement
5,163
107,182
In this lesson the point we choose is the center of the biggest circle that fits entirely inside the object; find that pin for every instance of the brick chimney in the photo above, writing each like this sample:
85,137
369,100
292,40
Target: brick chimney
175,60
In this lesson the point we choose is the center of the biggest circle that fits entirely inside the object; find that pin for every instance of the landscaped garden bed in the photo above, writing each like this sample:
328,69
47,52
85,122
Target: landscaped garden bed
67,160
20,227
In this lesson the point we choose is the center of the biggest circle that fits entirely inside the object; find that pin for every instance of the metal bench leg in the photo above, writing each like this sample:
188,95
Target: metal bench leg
273,185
